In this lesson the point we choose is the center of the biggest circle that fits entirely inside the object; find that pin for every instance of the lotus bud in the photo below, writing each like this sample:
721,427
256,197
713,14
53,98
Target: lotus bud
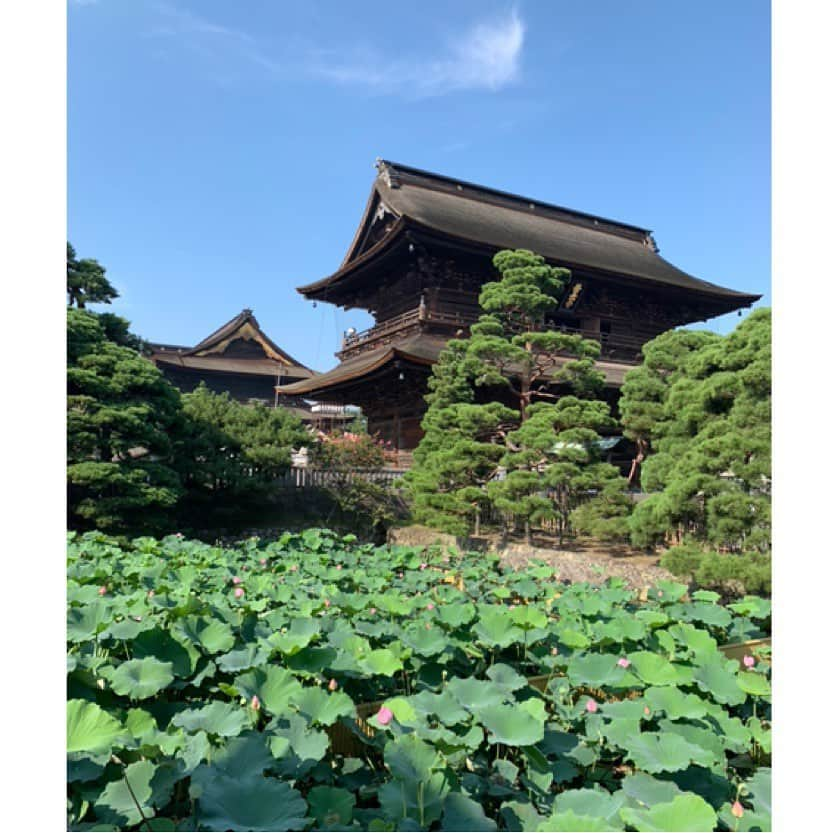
238,592
430,605
236,580
332,685
326,602
384,716
647,711
262,562
102,590
592,706
372,611
554,652
748,661
737,810
623,662
256,702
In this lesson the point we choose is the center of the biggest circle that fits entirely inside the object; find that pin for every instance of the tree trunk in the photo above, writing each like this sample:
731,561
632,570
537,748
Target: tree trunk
527,535
477,522
636,464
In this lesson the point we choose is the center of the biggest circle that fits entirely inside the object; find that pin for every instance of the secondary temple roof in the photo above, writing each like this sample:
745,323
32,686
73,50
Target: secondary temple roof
240,346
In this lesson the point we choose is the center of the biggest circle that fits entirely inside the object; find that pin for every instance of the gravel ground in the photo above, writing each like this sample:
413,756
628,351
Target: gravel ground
577,562
638,570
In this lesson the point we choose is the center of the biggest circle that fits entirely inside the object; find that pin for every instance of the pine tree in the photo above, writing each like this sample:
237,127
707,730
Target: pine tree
646,387
121,414
538,460
711,466
86,282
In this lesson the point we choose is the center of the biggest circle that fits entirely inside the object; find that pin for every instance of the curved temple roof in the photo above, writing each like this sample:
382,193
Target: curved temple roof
210,355
475,214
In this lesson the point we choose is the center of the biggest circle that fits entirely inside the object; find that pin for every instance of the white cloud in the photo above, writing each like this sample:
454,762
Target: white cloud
485,57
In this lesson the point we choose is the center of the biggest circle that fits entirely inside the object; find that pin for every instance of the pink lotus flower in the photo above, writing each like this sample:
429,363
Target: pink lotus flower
623,662
372,611
591,705
384,716
748,661
332,685
423,566
238,592
430,605
256,702
737,810
102,590
236,580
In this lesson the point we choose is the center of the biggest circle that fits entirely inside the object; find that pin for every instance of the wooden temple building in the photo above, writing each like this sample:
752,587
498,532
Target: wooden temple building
240,359
421,253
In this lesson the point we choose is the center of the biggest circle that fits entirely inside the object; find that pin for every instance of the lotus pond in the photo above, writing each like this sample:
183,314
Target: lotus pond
318,684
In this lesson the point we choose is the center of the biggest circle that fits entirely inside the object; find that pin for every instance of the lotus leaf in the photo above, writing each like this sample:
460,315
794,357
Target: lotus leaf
511,725
275,687
685,812
462,813
755,684
212,635
118,802
473,694
142,678
224,719
323,708
714,678
246,802
91,729
331,806
654,752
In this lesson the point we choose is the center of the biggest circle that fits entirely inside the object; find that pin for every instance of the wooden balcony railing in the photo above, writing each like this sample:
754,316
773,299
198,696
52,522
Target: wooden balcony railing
616,346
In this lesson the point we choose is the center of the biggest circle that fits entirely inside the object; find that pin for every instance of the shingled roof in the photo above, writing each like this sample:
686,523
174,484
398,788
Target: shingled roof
423,349
474,214
209,354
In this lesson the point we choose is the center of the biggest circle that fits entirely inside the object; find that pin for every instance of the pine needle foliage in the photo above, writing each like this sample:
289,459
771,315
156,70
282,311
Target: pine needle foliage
514,416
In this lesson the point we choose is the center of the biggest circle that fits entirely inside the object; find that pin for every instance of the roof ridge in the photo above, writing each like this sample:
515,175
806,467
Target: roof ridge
392,173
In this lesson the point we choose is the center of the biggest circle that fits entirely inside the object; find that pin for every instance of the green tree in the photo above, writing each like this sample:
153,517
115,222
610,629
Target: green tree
538,460
711,462
121,414
230,453
646,387
86,282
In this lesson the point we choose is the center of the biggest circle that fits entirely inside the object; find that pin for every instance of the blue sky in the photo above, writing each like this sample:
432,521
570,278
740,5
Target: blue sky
220,153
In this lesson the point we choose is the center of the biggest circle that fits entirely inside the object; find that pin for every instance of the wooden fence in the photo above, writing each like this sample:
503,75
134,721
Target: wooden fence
309,478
